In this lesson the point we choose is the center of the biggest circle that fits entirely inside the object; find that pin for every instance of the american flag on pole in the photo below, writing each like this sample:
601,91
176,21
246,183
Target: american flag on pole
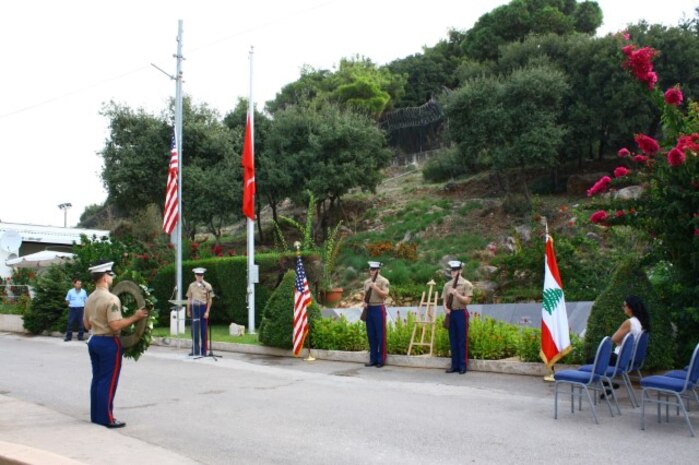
302,299
555,336
171,214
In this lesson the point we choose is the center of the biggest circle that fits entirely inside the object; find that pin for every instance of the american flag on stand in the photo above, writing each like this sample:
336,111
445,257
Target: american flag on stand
302,299
171,214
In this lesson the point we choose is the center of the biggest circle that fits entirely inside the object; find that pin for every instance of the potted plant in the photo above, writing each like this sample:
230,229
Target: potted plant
328,281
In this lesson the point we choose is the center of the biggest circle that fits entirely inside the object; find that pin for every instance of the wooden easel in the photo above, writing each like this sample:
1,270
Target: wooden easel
425,320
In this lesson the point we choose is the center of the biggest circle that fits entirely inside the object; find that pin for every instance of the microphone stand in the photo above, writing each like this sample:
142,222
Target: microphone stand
211,345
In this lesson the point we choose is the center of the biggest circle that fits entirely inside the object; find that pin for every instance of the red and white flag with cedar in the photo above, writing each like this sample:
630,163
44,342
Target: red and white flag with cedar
302,299
555,336
171,211
249,170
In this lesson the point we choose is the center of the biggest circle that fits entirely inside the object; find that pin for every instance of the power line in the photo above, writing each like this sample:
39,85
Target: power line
272,22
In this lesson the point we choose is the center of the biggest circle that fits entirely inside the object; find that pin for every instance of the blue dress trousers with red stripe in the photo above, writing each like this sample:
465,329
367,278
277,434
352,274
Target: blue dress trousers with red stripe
200,327
106,356
376,333
458,339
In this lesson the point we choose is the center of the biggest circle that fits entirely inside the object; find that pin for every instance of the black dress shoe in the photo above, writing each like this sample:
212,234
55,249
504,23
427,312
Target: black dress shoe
116,424
379,365
462,372
450,370
369,364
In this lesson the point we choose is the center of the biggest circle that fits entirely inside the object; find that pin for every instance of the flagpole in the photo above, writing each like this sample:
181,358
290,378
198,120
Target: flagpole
252,278
180,154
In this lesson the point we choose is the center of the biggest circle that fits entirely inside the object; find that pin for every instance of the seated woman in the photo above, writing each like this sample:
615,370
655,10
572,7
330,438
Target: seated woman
638,320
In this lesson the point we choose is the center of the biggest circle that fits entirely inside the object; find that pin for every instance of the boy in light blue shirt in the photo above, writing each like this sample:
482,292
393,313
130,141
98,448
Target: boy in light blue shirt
75,298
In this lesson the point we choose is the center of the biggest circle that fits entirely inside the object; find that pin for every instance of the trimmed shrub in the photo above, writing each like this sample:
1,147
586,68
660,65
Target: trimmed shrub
276,327
48,310
606,315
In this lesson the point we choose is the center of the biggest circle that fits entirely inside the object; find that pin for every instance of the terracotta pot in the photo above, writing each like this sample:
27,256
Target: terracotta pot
333,296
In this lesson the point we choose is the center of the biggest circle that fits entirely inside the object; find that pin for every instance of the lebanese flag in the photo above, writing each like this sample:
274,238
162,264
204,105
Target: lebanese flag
249,171
555,337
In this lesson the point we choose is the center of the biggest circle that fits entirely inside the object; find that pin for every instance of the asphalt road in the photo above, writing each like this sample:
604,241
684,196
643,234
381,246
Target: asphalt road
243,409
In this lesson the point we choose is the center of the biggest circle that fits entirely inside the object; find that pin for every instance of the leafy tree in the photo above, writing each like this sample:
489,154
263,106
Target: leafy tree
358,84
511,123
136,148
328,151
519,18
429,72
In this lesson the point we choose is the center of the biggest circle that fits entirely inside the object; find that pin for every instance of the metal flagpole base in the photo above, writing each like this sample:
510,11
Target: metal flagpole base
309,358
550,377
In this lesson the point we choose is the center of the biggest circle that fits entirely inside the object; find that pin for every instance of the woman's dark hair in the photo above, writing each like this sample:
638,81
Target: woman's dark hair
638,308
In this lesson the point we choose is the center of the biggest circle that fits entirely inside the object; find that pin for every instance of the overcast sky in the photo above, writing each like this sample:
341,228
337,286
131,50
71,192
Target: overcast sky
61,60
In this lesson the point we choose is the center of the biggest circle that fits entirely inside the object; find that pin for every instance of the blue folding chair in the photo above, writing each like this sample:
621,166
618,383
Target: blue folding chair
682,374
637,361
619,370
639,355
586,379
666,386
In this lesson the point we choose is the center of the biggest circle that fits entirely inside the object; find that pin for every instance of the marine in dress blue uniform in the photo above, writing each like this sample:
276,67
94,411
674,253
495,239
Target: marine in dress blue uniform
458,317
103,316
199,298
75,298
376,315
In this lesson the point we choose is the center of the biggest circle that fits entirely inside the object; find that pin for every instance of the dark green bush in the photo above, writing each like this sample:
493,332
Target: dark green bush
277,322
48,310
443,166
606,315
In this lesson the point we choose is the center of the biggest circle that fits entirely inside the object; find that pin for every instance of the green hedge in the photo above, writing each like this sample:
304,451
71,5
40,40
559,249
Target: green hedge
228,277
489,339
48,310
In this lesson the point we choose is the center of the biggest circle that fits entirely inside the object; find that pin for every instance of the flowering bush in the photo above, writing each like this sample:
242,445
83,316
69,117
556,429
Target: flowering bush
668,208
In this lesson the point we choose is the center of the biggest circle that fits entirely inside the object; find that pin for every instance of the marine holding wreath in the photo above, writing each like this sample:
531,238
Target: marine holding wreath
103,317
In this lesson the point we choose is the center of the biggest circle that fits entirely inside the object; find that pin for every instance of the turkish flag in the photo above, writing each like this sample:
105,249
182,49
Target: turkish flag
249,171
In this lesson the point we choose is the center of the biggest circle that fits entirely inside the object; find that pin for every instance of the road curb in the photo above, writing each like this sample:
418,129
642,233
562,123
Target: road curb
507,366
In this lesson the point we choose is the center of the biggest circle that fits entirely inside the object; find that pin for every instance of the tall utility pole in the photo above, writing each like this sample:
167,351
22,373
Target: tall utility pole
65,207
180,153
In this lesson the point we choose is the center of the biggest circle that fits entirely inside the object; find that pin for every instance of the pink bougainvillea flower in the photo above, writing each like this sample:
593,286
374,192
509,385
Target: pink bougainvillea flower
626,35
600,186
690,143
598,217
639,62
623,153
696,232
619,213
675,157
647,144
673,96
620,172
640,159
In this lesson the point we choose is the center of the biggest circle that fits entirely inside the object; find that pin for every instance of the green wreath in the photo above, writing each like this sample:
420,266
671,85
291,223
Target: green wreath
133,293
